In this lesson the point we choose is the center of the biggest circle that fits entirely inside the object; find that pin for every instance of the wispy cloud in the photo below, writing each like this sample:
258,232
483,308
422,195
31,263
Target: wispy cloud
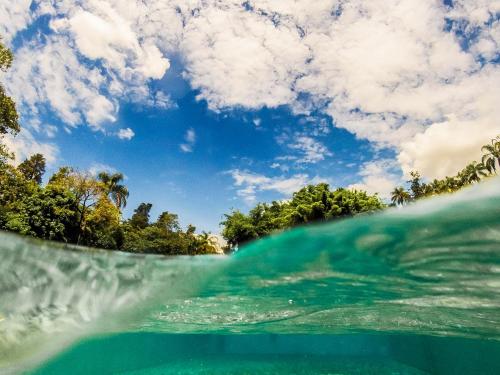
249,184
190,140
25,145
312,151
96,168
126,134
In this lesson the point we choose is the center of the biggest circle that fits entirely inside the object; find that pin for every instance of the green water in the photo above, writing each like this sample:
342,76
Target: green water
408,291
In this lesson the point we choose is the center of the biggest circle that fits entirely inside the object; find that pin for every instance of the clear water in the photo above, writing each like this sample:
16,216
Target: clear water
407,291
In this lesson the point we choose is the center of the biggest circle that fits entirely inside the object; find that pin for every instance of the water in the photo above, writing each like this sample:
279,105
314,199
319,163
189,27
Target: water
408,291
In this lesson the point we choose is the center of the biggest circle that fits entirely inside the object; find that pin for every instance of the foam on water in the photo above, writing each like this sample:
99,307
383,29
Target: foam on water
430,269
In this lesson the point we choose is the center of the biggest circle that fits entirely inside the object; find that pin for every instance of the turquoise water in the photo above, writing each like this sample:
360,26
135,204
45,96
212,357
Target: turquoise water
407,291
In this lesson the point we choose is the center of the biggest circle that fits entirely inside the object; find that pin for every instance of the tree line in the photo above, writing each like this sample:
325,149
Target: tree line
310,204
80,208
472,173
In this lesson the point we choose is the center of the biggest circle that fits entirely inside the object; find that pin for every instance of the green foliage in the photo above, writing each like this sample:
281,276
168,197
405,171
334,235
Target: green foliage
117,192
310,204
491,156
33,168
102,228
48,213
238,228
400,196
87,192
6,57
78,208
9,119
161,237
140,218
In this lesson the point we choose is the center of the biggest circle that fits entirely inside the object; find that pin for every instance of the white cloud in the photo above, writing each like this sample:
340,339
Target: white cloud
102,33
50,130
14,16
312,151
445,148
52,75
95,57
388,71
25,145
96,168
379,177
249,184
190,140
240,58
161,100
126,134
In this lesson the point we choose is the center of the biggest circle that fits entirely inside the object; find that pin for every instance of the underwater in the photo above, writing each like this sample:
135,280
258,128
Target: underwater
413,290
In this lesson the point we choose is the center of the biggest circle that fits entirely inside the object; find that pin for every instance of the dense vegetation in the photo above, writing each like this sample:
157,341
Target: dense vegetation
81,208
310,204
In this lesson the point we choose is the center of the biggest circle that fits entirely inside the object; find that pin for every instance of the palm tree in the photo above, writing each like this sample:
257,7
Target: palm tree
492,156
117,192
206,244
473,172
400,196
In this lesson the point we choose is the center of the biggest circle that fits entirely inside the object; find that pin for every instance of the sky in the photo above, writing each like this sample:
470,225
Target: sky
210,105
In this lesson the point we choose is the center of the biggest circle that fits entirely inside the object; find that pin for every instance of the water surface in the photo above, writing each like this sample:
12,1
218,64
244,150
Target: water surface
414,290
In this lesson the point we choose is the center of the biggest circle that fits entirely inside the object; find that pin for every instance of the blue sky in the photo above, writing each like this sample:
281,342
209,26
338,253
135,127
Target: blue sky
208,106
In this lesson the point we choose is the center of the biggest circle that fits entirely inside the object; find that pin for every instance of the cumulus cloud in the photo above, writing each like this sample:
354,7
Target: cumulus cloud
248,184
445,148
92,59
379,177
190,140
240,58
126,134
398,73
51,74
25,145
386,71
102,33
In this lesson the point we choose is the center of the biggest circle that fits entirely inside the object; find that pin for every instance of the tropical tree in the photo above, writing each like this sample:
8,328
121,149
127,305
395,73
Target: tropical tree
117,192
50,213
417,187
102,227
492,157
238,229
473,173
206,244
9,119
33,168
400,196
310,204
86,190
140,218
